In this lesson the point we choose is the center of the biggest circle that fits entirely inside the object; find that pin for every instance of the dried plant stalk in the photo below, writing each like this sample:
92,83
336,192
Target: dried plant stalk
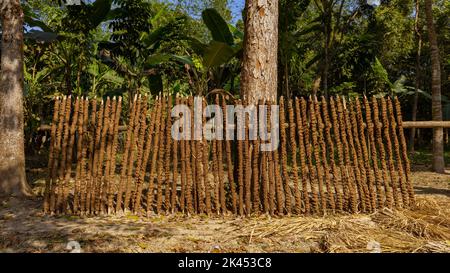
102,153
337,180
369,174
173,198
248,166
113,153
63,165
128,143
141,170
256,163
160,172
284,163
90,157
241,172
293,143
109,120
390,155
344,179
84,157
404,152
381,151
373,154
189,170
359,160
140,154
183,163
215,171
276,172
315,140
398,156
230,171
220,162
156,144
72,133
57,151
96,174
265,181
302,155
314,173
205,186
168,154
77,187
271,167
133,151
354,154
321,129
346,149
52,156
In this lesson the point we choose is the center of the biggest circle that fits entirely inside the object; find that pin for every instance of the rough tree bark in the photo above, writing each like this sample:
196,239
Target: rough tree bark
12,154
259,69
418,34
438,133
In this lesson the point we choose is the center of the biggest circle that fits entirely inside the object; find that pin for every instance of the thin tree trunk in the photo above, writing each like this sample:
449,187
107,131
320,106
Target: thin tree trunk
417,79
438,133
12,154
259,69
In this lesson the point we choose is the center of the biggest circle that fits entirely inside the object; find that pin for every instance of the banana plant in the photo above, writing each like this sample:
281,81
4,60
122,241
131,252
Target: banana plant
102,77
220,58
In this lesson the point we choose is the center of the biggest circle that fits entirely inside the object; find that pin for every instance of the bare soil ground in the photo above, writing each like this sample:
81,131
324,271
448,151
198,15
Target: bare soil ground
23,228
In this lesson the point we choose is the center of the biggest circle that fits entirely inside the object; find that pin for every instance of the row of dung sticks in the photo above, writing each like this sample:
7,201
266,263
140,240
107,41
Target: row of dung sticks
334,156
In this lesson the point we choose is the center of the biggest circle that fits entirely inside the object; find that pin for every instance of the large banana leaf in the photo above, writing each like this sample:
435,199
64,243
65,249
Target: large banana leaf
156,59
217,53
99,13
41,36
217,26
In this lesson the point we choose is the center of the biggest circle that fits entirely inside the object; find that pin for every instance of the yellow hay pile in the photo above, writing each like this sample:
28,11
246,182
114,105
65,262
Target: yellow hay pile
426,228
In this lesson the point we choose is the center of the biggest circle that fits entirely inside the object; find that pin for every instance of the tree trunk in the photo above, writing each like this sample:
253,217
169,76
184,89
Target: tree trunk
417,80
12,154
438,133
259,74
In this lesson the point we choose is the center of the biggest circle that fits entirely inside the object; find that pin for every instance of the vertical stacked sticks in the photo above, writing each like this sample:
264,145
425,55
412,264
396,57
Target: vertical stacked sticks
333,155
